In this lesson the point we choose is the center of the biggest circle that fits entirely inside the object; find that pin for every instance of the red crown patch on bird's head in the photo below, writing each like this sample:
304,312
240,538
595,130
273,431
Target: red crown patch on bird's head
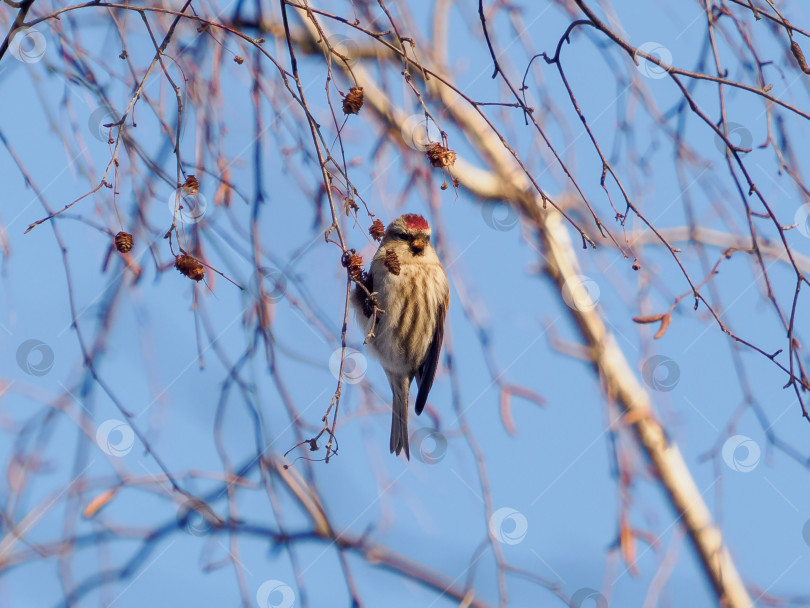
415,221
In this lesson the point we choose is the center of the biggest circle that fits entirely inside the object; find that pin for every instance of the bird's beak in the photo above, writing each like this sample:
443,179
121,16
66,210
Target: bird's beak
418,245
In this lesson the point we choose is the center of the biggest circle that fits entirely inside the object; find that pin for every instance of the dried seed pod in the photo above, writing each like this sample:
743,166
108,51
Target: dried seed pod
355,266
354,263
353,101
664,325
439,156
664,318
650,319
350,205
123,241
190,267
391,262
377,230
191,185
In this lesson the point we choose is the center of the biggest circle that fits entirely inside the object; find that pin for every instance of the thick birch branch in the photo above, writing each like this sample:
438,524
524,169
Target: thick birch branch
505,181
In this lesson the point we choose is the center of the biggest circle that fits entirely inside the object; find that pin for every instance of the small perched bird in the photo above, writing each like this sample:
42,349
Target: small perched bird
407,283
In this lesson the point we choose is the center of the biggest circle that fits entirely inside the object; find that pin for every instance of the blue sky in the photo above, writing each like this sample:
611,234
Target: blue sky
554,477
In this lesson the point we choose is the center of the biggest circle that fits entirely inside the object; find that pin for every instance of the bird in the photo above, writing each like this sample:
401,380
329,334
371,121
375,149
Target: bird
401,304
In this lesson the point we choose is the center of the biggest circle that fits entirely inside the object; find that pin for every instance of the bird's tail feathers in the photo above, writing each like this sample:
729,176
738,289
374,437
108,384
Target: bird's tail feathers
399,418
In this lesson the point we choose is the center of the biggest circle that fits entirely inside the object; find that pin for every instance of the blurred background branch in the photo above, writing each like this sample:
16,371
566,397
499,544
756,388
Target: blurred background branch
645,162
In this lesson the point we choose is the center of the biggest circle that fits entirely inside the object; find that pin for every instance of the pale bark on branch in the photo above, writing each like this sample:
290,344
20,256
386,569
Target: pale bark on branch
505,181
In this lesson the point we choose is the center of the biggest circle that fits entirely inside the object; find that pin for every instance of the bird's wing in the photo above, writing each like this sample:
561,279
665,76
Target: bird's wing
360,298
427,371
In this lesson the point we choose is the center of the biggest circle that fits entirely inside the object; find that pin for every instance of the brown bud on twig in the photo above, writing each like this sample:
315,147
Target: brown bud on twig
377,230
123,242
353,101
799,55
190,266
439,156
191,185
391,262
98,503
239,60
